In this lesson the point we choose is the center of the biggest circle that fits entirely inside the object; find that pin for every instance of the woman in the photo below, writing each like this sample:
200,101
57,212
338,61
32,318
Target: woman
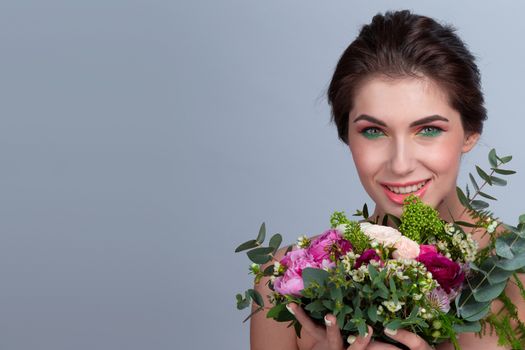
406,99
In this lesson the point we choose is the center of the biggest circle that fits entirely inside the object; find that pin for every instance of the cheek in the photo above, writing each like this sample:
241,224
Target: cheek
445,159
366,159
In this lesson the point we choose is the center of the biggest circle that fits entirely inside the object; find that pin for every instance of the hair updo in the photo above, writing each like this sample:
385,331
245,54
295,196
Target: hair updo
400,44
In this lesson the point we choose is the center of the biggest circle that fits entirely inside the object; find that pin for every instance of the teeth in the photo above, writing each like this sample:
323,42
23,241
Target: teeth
407,189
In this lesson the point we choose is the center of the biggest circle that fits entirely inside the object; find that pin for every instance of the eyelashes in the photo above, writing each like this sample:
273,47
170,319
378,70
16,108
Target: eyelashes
426,131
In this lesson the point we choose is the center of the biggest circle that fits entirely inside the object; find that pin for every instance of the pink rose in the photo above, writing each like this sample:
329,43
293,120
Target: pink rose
446,272
405,249
367,256
290,283
295,262
384,235
328,246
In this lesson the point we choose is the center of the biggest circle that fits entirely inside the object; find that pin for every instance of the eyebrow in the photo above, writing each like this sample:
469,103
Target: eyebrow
418,122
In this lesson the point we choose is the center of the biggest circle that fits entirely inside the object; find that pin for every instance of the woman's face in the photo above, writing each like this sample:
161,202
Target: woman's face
405,139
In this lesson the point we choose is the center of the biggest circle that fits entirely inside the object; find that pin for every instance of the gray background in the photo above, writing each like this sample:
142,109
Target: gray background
141,141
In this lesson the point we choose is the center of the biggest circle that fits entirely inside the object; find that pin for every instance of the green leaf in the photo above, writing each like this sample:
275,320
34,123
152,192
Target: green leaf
479,204
488,292
275,242
312,276
395,220
503,249
474,183
467,327
522,218
262,234
242,303
462,198
483,194
512,264
372,313
394,324
474,311
269,270
505,159
498,275
503,171
256,297
315,306
252,243
493,158
498,181
260,255
365,211
464,223
483,175
280,313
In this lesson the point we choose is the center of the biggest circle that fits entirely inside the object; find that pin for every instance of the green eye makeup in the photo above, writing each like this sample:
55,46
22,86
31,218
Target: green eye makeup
430,131
372,133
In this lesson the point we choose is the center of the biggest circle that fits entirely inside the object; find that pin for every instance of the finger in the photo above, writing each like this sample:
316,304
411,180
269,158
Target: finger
412,340
360,343
307,324
333,333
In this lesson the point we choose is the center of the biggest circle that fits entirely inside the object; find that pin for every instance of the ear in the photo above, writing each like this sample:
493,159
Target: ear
470,141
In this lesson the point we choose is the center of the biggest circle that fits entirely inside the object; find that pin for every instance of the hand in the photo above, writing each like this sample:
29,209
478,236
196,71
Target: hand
330,338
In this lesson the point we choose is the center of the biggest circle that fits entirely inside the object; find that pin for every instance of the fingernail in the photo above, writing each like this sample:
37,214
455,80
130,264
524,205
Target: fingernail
351,339
390,331
290,309
327,322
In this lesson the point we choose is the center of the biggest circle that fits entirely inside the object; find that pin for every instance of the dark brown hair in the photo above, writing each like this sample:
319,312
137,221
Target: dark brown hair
399,44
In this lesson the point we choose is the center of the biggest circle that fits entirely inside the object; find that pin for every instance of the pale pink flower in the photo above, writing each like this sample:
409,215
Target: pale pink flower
405,249
384,235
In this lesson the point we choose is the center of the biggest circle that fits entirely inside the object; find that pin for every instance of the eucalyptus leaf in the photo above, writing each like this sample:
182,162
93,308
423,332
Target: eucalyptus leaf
474,311
504,171
262,234
256,297
394,324
269,270
483,194
473,180
479,204
483,175
503,249
488,292
462,198
493,158
260,255
522,218
252,243
505,159
512,264
275,242
498,181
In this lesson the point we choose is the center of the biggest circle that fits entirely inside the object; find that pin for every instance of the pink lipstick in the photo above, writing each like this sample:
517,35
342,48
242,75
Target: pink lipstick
398,198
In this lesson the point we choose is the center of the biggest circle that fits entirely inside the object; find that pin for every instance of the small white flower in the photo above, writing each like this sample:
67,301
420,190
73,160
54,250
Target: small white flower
393,306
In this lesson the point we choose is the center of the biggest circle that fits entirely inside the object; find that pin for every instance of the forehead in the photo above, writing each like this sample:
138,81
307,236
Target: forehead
405,98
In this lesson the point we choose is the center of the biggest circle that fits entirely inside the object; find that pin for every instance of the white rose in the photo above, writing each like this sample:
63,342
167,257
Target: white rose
384,235
405,249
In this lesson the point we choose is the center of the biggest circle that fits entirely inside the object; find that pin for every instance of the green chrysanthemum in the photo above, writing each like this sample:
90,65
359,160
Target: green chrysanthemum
419,221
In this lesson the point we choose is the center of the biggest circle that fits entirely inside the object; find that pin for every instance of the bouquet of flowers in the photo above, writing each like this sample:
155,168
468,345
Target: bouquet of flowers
426,275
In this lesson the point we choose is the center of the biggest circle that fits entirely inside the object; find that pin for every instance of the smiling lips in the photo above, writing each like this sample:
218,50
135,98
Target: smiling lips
398,192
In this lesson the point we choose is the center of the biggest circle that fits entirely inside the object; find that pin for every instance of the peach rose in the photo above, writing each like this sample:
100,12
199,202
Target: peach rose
405,249
384,235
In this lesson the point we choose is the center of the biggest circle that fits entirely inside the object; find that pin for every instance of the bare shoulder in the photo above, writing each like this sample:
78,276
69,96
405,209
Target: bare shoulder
265,333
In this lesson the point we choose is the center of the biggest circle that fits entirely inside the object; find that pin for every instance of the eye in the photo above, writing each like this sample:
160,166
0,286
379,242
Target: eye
430,131
372,133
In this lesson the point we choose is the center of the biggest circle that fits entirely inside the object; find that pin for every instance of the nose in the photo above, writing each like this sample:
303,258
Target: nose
402,161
